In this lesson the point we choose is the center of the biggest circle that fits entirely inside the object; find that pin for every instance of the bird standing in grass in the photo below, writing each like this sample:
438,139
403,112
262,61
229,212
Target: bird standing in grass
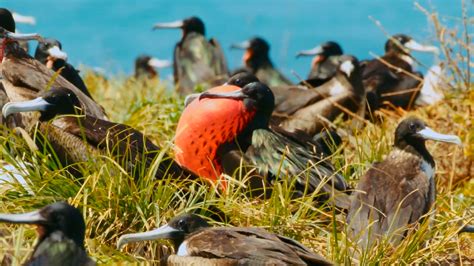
195,241
399,191
392,78
197,61
61,230
257,61
228,124
49,52
325,62
75,136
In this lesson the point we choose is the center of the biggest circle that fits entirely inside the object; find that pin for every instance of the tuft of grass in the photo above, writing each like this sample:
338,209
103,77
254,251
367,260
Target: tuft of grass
114,203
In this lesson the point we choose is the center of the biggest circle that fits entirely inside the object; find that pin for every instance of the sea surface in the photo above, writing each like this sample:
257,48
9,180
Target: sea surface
109,34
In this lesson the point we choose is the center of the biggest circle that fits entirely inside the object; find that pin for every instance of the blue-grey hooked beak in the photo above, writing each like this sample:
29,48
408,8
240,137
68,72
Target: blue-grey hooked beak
56,52
237,94
38,104
159,63
20,36
415,46
243,45
315,51
33,217
163,232
24,19
169,25
428,133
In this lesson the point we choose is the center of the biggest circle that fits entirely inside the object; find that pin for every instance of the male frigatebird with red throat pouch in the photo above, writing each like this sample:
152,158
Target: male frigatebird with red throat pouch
229,120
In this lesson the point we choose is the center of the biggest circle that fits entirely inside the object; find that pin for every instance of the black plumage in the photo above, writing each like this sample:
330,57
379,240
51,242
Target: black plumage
61,229
325,62
257,61
197,61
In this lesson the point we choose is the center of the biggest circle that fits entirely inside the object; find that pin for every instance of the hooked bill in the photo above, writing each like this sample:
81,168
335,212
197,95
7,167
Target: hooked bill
204,126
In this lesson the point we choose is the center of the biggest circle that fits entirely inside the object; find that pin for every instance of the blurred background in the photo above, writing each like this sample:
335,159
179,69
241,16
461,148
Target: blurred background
110,33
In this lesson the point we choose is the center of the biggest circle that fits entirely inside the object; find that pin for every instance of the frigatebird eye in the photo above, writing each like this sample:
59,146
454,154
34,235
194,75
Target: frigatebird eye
412,127
181,224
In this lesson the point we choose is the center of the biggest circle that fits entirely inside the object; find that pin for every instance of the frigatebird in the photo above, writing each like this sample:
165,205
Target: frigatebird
197,61
398,192
227,124
325,61
257,61
194,237
61,230
392,78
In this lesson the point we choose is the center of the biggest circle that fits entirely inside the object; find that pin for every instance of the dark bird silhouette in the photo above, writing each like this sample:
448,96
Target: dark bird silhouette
197,61
61,230
75,135
397,84
396,193
325,60
49,52
307,109
228,123
145,66
257,61
192,236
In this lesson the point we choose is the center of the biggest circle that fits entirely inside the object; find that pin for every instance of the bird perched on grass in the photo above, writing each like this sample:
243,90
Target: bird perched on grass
196,241
197,61
395,194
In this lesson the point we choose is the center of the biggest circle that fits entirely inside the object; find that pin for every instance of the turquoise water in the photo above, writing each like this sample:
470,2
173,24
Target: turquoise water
111,33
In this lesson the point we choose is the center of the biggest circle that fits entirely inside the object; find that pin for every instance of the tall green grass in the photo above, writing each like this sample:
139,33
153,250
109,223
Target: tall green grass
114,203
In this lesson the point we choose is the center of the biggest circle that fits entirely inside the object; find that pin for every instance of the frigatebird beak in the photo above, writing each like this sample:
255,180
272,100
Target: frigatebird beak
169,25
33,217
158,63
237,94
428,133
20,36
164,232
242,46
315,51
56,52
24,19
415,46
38,104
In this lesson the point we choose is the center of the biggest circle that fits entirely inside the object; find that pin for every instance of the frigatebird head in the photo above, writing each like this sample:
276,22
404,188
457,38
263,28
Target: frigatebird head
176,230
413,131
188,25
402,43
59,216
146,64
53,102
256,49
6,20
256,96
241,79
322,51
49,48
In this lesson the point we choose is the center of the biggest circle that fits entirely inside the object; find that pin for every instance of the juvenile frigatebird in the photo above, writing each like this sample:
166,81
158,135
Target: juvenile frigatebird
197,61
49,52
307,109
75,136
325,62
145,66
257,61
229,123
192,236
396,83
396,193
61,230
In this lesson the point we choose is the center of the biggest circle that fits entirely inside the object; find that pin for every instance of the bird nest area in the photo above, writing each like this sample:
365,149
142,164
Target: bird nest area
114,203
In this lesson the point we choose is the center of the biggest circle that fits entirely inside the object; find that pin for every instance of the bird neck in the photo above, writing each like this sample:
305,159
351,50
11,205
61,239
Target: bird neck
256,62
416,147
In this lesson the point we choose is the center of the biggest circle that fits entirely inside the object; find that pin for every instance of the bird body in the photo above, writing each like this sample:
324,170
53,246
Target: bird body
395,194
194,238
